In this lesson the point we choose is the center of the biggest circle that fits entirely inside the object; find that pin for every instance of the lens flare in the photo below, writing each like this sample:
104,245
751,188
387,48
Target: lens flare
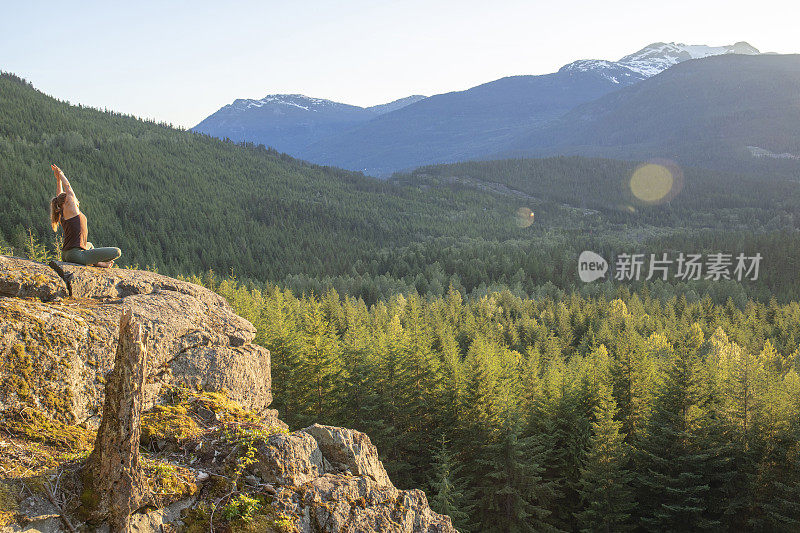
524,217
656,182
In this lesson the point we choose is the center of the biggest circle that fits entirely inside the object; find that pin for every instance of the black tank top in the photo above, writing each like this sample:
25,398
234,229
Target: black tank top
75,232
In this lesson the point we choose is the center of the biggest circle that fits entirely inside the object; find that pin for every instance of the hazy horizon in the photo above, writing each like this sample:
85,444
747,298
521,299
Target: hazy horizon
180,63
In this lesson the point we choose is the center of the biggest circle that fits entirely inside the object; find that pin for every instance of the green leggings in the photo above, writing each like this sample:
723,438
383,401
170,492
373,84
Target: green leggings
91,255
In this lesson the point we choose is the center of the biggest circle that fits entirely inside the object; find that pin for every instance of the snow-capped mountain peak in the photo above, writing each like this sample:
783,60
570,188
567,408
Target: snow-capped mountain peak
308,103
299,101
610,70
655,58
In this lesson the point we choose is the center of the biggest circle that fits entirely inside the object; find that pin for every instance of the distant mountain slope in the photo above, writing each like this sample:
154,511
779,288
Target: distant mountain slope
464,124
485,119
721,112
289,122
380,109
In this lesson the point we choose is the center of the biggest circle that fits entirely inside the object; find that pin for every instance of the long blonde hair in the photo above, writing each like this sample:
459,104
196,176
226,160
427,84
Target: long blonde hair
57,209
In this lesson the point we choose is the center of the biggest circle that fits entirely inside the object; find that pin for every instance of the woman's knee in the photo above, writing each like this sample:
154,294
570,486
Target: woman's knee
113,253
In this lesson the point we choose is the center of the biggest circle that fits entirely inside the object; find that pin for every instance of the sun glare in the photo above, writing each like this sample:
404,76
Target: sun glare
656,182
524,217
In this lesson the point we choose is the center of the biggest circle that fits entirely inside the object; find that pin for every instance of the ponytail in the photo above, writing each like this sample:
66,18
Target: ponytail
57,209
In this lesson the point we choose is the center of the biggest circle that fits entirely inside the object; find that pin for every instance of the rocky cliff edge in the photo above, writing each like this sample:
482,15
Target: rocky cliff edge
214,455
56,350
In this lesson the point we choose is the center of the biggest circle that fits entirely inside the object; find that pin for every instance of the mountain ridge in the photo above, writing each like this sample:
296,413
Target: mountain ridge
446,127
288,122
472,124
703,112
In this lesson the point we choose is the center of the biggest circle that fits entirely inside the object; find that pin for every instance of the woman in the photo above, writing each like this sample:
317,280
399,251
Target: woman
64,208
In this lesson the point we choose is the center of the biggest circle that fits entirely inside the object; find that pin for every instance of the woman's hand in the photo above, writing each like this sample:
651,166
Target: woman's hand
57,171
63,182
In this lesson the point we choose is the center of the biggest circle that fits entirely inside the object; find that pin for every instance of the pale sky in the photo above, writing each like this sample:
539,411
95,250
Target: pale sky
178,62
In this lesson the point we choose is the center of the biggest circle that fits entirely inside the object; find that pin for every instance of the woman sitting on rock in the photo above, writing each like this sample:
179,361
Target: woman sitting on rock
64,208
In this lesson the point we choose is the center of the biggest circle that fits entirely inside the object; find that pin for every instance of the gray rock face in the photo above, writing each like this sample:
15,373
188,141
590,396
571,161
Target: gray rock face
338,503
349,451
292,459
194,339
331,479
39,516
40,525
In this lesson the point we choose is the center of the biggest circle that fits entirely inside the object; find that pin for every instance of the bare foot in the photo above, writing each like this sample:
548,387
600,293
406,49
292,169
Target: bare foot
104,264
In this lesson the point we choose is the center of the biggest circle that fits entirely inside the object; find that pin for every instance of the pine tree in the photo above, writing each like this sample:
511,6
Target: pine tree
605,485
559,418
391,357
421,381
773,360
740,378
282,338
320,364
511,492
672,489
776,485
34,250
448,487
726,467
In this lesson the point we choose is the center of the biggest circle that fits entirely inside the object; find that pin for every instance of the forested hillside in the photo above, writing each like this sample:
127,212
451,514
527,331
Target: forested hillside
704,211
611,413
185,203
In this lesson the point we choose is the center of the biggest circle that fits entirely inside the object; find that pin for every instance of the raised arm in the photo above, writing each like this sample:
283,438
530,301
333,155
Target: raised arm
59,187
62,182
71,204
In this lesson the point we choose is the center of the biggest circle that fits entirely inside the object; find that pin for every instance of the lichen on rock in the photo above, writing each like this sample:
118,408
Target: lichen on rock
212,453
196,341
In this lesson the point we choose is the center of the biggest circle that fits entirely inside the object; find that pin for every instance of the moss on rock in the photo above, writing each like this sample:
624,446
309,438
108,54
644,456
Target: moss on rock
9,506
217,404
170,423
35,426
168,482
18,368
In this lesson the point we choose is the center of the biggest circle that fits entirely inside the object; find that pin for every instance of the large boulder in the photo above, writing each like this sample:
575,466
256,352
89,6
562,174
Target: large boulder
349,451
343,486
55,351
